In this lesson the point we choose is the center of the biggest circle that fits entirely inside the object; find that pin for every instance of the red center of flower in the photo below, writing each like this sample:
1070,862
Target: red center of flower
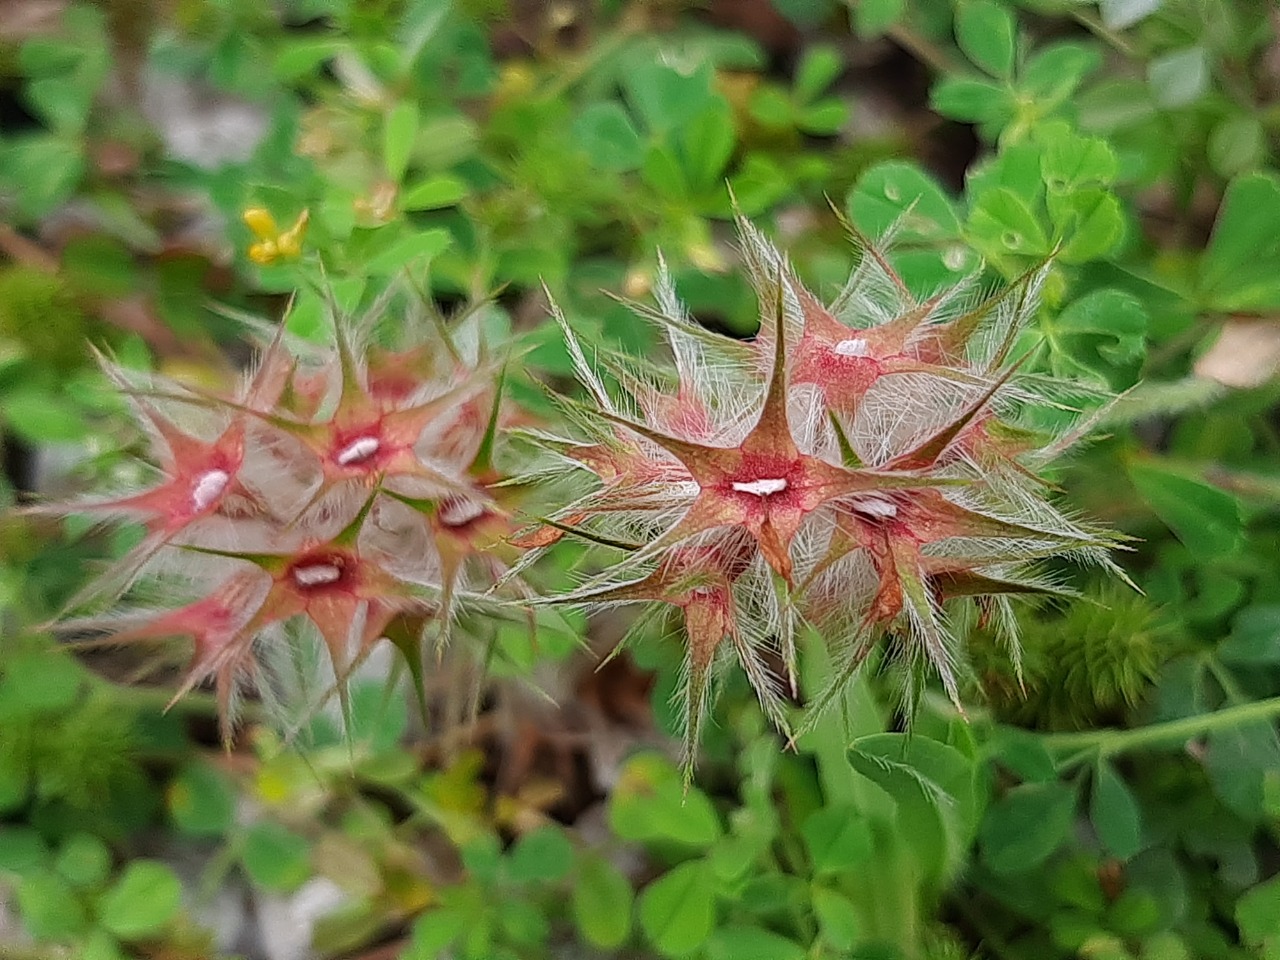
843,369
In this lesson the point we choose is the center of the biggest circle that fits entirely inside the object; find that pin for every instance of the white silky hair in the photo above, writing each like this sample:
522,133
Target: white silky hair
939,396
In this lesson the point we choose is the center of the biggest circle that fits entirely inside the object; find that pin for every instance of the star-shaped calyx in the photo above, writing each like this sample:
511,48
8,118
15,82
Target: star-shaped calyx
765,484
222,648
342,588
198,478
471,526
928,337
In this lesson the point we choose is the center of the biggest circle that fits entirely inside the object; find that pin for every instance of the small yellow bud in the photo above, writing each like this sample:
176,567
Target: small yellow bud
263,253
273,244
261,222
290,242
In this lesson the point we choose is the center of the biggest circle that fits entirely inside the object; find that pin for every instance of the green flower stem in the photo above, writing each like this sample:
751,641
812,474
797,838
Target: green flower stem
1100,30
195,703
888,895
933,56
1109,743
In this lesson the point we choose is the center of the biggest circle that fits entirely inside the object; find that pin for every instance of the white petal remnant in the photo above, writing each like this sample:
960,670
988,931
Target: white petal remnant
855,347
317,575
358,451
459,511
208,488
763,487
878,507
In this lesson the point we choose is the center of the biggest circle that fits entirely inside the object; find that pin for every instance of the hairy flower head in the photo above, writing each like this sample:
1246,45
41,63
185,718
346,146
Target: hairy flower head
858,466
330,498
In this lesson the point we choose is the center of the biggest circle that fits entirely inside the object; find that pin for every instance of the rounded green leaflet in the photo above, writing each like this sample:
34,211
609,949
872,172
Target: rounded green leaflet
1069,161
972,100
898,193
987,33
434,931
1102,335
433,193
823,118
1239,762
838,838
543,855
1001,223
1027,825
739,942
705,146
143,902
100,945
1089,221
1054,72
1238,143
41,679
650,803
201,801
524,923
605,132
664,97
932,785
772,107
399,130
1134,913
22,849
410,250
298,58
1205,518
1023,753
1115,813
48,166
1255,636
896,189
1240,269
276,857
677,911
49,907
602,900
874,17
83,860
818,69
1180,78
1258,914
837,918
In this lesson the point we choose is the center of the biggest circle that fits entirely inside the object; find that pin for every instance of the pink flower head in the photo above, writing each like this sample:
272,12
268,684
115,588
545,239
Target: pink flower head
349,505
864,457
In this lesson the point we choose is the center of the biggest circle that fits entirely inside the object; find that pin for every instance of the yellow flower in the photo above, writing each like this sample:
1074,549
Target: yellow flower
274,244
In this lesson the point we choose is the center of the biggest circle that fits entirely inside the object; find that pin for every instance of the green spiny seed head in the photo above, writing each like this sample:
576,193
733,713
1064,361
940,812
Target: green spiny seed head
18,540
1082,666
85,756
38,312
942,943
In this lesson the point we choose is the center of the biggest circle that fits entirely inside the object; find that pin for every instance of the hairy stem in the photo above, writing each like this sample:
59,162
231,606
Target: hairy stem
1109,743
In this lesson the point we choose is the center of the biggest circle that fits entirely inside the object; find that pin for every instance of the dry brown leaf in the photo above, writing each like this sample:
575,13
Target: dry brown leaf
1246,354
